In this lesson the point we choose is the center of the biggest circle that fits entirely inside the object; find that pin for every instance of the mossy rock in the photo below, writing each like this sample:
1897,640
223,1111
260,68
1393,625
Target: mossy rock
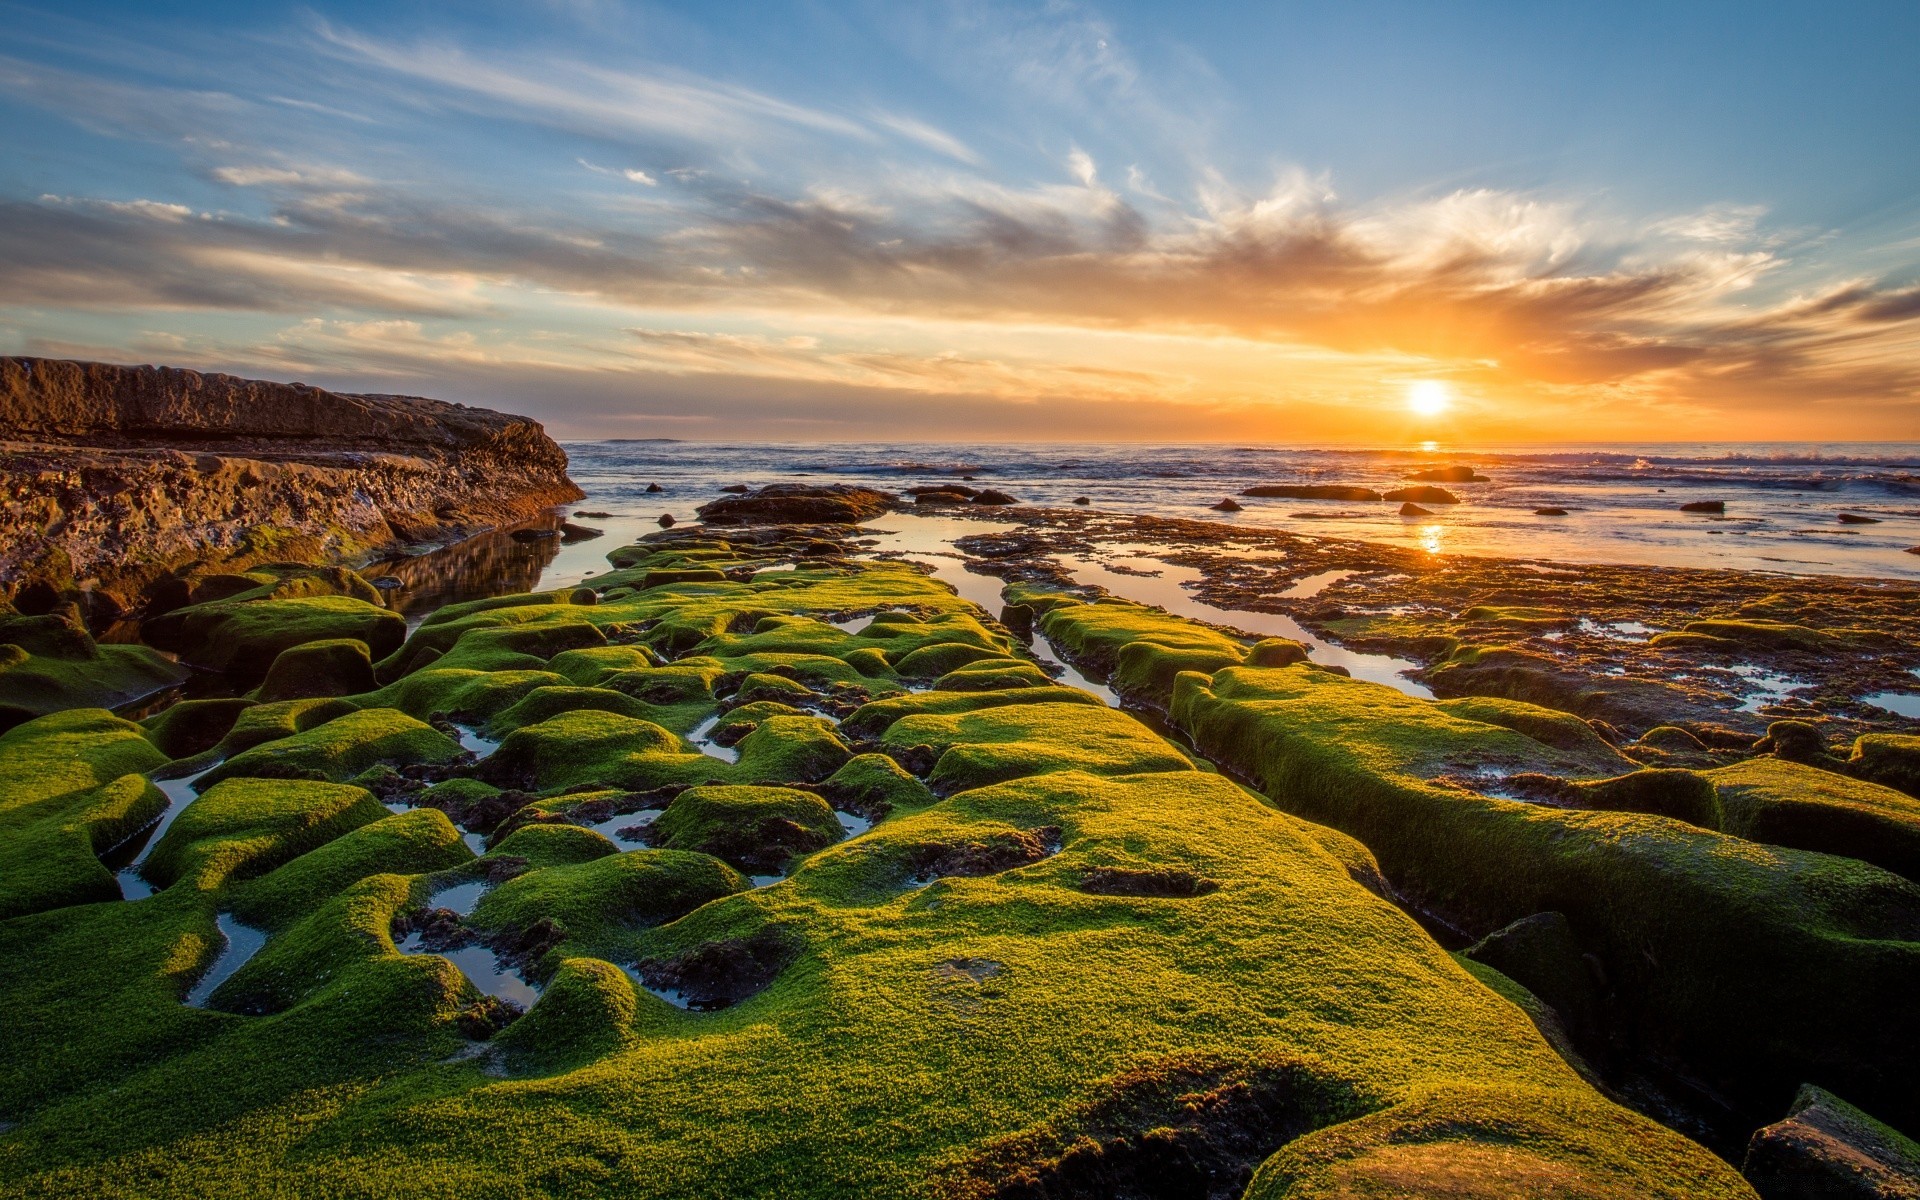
50,663
193,727
544,702
991,745
790,749
71,787
597,901
258,724
874,719
1790,804
589,746
993,675
1805,953
756,829
1890,759
342,748
875,785
244,827
243,638
415,842
1825,1147
335,667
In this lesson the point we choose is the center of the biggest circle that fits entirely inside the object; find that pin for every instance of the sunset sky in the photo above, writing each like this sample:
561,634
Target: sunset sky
1299,222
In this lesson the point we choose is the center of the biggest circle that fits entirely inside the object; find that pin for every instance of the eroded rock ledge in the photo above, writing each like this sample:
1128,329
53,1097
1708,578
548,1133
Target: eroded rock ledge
112,476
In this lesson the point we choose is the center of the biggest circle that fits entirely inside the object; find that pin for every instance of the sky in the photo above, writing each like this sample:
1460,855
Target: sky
1354,221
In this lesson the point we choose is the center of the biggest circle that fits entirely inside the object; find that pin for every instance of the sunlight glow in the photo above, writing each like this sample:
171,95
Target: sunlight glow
1428,397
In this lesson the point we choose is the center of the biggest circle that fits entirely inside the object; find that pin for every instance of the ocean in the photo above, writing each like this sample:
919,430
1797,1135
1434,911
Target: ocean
1783,501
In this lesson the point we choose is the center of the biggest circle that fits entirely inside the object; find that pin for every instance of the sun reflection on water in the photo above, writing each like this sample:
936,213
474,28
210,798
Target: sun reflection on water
1432,538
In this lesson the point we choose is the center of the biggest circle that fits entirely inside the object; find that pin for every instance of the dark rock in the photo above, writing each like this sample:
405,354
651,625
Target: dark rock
944,496
336,667
1423,495
1826,1149
738,489
1227,505
527,535
1085,500
166,594
1704,506
721,974
1857,519
943,489
593,516
666,520
1550,511
584,596
1311,491
1452,474
1411,509
993,496
570,533
798,504
655,488
387,583
1168,882
1018,618
231,473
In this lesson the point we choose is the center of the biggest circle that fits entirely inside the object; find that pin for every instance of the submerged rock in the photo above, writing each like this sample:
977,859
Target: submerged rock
1450,474
1410,509
1423,495
1704,506
1311,491
1227,505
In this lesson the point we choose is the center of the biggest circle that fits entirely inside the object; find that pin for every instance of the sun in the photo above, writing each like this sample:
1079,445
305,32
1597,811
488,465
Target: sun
1429,397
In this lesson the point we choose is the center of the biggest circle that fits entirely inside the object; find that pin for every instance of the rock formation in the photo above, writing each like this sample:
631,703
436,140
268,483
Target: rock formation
114,476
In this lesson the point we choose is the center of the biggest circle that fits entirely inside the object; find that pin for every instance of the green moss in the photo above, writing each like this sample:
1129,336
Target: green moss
1715,944
1757,635
1138,650
464,694
875,785
594,903
262,723
50,663
1892,759
1790,804
415,842
543,702
945,1004
244,827
993,675
756,829
872,720
991,745
193,726
333,667
342,748
70,787
791,750
243,638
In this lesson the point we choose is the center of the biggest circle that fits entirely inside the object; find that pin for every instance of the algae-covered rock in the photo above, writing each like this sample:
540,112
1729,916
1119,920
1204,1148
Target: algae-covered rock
1892,759
49,663
342,748
193,727
1791,804
757,829
1826,1149
991,745
333,667
1714,944
71,787
243,638
244,827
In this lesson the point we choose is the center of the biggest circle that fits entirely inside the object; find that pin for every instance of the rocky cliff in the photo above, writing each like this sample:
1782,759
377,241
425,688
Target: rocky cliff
112,476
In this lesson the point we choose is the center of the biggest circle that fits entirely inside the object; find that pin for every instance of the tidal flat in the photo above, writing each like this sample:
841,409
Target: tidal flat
967,851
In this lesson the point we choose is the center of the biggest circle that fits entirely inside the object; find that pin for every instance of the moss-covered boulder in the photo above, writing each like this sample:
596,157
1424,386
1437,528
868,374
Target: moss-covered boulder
50,663
1790,804
334,667
342,748
757,829
1713,944
243,638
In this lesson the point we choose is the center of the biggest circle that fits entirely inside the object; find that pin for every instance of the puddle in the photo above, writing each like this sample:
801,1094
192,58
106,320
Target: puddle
242,943
760,881
484,968
474,744
853,825
1905,704
929,540
462,898
858,625
1069,674
1168,590
1621,631
179,793
702,739
476,842
1764,687
672,996
1313,585
627,828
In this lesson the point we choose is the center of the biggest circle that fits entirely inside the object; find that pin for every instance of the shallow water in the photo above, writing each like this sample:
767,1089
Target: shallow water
1168,590
702,740
179,792
929,540
1906,704
484,968
242,943
612,827
461,898
1069,674
473,742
